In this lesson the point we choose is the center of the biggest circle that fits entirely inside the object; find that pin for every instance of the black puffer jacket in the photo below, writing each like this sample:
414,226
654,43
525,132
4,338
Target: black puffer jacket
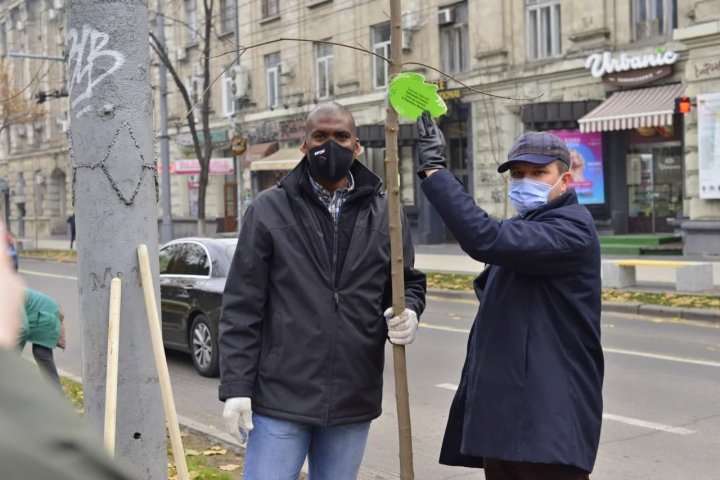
302,331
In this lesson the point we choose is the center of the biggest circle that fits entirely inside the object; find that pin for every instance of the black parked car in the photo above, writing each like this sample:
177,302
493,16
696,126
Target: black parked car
192,278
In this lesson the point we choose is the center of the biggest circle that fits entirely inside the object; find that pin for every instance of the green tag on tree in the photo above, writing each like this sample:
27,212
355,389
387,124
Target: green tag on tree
410,96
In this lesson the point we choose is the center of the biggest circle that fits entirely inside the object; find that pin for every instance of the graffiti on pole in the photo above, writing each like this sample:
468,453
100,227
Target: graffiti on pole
89,63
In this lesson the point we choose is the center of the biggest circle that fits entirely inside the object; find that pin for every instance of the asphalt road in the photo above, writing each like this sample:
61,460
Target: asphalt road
662,390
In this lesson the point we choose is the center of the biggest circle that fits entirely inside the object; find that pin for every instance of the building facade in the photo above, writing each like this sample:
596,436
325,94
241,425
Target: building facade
604,76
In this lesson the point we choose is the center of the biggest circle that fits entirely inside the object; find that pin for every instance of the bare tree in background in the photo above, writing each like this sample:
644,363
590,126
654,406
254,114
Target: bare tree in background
202,147
14,108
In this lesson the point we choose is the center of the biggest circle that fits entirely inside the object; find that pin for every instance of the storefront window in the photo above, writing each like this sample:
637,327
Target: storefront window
655,187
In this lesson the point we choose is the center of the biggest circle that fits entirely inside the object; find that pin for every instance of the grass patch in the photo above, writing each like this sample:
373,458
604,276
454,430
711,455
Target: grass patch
668,299
463,282
47,254
205,460
73,391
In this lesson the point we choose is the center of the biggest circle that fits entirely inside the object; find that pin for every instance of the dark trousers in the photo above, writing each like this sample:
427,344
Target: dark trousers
502,470
44,358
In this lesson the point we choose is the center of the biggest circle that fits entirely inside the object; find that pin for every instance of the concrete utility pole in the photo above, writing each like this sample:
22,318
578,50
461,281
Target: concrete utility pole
166,230
115,196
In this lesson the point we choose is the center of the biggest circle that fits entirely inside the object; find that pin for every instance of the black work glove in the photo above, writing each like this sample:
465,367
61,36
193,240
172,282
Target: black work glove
431,145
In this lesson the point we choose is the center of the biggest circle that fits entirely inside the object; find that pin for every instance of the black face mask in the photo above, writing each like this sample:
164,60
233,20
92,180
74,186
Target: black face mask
330,161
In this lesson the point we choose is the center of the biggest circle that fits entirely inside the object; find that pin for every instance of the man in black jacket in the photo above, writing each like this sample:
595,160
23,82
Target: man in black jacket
529,403
306,311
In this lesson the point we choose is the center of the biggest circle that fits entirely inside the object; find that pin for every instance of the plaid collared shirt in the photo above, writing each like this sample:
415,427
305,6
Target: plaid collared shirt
333,202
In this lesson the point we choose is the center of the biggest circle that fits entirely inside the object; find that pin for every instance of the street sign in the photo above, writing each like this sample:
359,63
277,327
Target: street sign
239,144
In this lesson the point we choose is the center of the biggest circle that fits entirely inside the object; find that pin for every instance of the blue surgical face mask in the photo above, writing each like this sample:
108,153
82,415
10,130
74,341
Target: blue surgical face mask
527,195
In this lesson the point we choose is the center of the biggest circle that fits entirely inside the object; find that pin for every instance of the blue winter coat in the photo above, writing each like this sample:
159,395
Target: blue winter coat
531,386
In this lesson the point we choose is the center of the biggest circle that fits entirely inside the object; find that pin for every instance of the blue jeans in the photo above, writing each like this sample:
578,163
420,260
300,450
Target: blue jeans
277,448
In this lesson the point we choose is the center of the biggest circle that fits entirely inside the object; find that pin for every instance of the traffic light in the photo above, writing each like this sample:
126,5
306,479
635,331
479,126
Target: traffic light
683,105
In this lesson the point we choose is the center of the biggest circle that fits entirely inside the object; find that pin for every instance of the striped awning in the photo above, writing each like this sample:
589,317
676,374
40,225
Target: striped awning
645,107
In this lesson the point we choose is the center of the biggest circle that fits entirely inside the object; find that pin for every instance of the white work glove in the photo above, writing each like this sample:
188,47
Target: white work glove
238,417
401,329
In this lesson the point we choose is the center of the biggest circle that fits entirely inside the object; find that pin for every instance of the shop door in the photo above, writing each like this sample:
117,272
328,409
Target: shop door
231,210
654,177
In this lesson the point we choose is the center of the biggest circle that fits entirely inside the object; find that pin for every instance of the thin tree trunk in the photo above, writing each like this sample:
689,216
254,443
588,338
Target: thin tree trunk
396,248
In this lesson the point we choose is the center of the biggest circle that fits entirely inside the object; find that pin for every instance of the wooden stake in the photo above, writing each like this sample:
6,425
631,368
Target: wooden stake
113,356
161,363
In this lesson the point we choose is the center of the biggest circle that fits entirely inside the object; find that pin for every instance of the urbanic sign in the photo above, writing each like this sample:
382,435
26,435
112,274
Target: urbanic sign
601,64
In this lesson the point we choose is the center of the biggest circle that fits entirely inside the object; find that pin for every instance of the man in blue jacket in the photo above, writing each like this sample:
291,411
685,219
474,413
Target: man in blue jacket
303,327
529,403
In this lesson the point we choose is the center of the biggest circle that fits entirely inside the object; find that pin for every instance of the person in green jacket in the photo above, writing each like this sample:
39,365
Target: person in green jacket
42,326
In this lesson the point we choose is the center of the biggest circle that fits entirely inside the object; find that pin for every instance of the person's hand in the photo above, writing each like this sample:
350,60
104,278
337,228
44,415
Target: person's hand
431,145
402,328
12,296
238,415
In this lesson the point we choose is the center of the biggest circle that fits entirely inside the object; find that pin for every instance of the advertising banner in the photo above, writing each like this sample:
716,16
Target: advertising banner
587,164
708,115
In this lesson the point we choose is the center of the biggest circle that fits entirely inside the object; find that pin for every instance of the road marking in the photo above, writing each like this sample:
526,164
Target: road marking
617,418
51,275
651,425
447,386
657,356
670,358
443,328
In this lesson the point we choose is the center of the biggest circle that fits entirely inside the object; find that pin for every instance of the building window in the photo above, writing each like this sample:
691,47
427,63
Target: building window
543,28
381,45
270,8
227,16
324,69
454,37
272,79
653,18
32,10
191,19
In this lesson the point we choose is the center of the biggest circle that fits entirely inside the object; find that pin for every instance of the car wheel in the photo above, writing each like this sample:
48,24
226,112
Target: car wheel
204,347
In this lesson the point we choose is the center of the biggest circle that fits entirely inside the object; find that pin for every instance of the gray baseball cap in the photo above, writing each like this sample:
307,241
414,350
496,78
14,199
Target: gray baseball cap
537,147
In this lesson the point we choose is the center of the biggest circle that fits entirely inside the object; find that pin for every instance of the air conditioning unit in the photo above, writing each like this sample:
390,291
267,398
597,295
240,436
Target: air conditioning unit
406,40
63,123
241,82
21,131
181,54
58,4
59,38
445,16
52,14
287,70
19,25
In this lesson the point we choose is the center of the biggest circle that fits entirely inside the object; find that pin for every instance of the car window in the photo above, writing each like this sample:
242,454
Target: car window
166,254
192,260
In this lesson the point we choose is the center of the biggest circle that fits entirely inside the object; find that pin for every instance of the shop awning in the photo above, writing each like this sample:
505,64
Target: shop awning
257,151
283,159
645,107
